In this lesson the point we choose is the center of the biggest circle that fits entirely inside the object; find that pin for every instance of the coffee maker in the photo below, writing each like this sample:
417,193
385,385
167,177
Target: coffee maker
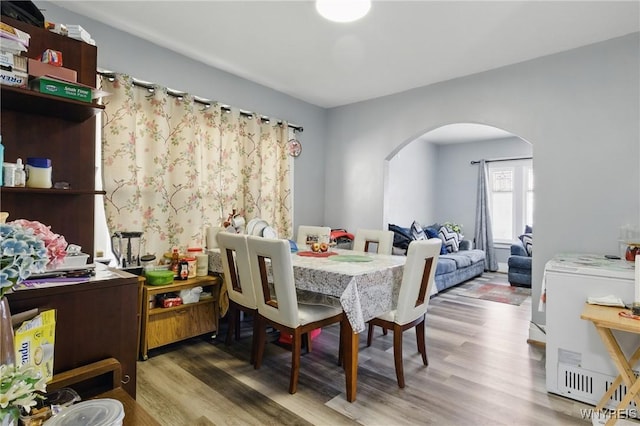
126,247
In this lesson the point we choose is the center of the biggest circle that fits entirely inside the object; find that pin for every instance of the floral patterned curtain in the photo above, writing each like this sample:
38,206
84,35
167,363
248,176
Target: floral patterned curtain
173,167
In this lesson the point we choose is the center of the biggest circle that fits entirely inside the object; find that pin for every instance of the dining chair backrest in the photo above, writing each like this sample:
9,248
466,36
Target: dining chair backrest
235,264
417,279
383,240
322,232
271,258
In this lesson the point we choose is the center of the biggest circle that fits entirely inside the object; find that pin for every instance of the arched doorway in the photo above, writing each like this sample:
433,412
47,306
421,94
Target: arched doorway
431,178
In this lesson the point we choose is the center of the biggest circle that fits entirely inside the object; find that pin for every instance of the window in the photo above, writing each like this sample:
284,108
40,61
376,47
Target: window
510,198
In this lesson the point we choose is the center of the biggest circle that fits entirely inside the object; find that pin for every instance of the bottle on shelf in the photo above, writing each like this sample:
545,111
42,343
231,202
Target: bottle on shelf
175,264
20,176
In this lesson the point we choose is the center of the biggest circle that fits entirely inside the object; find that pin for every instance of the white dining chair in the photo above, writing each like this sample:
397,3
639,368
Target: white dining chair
413,299
322,232
270,260
364,238
239,284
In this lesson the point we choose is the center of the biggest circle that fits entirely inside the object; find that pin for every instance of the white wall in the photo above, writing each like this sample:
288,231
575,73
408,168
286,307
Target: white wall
579,110
411,186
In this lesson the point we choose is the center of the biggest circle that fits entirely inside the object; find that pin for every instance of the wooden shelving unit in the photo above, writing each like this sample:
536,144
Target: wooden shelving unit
98,319
162,326
64,130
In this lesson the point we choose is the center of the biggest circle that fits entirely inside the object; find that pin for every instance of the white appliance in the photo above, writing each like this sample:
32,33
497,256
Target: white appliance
577,363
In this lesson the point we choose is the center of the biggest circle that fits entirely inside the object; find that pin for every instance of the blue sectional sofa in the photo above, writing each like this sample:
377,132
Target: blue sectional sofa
453,268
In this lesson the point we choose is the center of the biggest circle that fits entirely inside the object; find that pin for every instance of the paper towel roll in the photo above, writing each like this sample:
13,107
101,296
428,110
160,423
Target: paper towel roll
212,232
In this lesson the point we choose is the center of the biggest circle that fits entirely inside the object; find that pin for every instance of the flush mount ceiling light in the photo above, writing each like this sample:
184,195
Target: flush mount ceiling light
343,10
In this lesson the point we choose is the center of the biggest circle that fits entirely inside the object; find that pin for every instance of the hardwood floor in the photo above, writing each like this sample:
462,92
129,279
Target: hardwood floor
481,371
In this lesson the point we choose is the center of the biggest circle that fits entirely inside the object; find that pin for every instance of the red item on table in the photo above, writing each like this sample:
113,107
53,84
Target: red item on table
316,254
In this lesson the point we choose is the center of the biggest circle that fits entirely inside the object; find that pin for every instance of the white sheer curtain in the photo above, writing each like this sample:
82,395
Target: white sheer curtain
172,167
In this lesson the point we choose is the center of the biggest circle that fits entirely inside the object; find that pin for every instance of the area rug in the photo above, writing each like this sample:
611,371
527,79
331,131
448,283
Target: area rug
495,292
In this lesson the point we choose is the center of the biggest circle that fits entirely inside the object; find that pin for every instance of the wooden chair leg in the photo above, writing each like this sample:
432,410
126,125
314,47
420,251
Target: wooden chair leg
370,334
397,354
232,323
261,337
384,331
341,344
295,361
236,320
307,341
422,348
254,338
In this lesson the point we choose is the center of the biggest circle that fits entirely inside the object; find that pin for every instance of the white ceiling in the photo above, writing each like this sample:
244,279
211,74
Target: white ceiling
398,46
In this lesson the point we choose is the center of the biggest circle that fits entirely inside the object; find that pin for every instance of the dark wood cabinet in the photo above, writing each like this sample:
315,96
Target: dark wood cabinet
98,319
64,130
94,320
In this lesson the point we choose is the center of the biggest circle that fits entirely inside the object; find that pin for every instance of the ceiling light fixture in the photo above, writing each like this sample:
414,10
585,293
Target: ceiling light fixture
343,10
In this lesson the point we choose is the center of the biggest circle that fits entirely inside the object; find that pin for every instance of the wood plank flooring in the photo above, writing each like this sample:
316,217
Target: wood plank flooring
481,371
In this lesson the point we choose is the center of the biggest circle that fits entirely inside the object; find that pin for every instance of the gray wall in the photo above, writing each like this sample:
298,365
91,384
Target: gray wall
457,178
579,110
121,52
411,189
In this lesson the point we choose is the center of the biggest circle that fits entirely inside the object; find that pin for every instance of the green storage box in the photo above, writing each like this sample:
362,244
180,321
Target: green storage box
159,277
63,89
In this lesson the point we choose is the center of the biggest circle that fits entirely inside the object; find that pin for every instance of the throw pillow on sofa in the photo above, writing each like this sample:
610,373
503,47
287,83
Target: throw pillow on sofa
401,236
433,233
417,232
449,239
527,242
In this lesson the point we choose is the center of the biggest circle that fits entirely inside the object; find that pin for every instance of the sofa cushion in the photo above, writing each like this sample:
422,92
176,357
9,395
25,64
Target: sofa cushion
445,265
417,232
449,239
462,261
474,255
527,242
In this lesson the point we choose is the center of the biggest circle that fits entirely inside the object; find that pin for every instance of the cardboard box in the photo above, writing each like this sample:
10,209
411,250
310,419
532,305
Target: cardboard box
34,342
13,78
39,69
6,60
52,86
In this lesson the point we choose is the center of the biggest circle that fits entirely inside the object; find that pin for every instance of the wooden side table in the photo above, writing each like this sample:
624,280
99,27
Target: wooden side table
161,326
606,319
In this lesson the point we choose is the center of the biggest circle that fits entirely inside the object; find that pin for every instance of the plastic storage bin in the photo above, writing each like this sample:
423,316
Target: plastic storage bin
39,172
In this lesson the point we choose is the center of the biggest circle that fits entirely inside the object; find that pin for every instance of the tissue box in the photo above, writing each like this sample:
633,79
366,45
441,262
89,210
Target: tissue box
75,260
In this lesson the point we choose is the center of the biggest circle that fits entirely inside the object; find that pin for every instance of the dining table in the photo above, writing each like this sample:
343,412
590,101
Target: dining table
366,284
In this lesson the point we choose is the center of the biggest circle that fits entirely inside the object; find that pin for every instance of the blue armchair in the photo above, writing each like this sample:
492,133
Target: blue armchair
519,266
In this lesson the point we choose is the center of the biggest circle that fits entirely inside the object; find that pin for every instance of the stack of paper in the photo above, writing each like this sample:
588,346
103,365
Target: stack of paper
79,33
12,40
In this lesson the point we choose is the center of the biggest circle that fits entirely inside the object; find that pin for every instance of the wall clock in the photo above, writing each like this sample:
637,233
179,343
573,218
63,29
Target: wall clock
295,147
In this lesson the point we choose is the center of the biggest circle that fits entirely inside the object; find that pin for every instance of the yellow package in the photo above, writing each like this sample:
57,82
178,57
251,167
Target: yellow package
34,341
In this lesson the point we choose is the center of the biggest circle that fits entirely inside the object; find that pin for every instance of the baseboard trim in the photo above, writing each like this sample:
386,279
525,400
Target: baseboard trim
537,334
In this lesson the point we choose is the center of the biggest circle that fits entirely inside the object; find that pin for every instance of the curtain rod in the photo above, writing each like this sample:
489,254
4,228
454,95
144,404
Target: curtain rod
502,159
206,102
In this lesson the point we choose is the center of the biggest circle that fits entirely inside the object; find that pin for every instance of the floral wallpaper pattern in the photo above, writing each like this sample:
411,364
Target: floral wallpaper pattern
173,167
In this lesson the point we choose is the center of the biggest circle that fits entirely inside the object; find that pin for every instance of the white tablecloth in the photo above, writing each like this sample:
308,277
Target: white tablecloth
365,289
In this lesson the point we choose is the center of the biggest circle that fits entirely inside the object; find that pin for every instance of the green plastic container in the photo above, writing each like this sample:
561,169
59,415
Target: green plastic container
159,277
